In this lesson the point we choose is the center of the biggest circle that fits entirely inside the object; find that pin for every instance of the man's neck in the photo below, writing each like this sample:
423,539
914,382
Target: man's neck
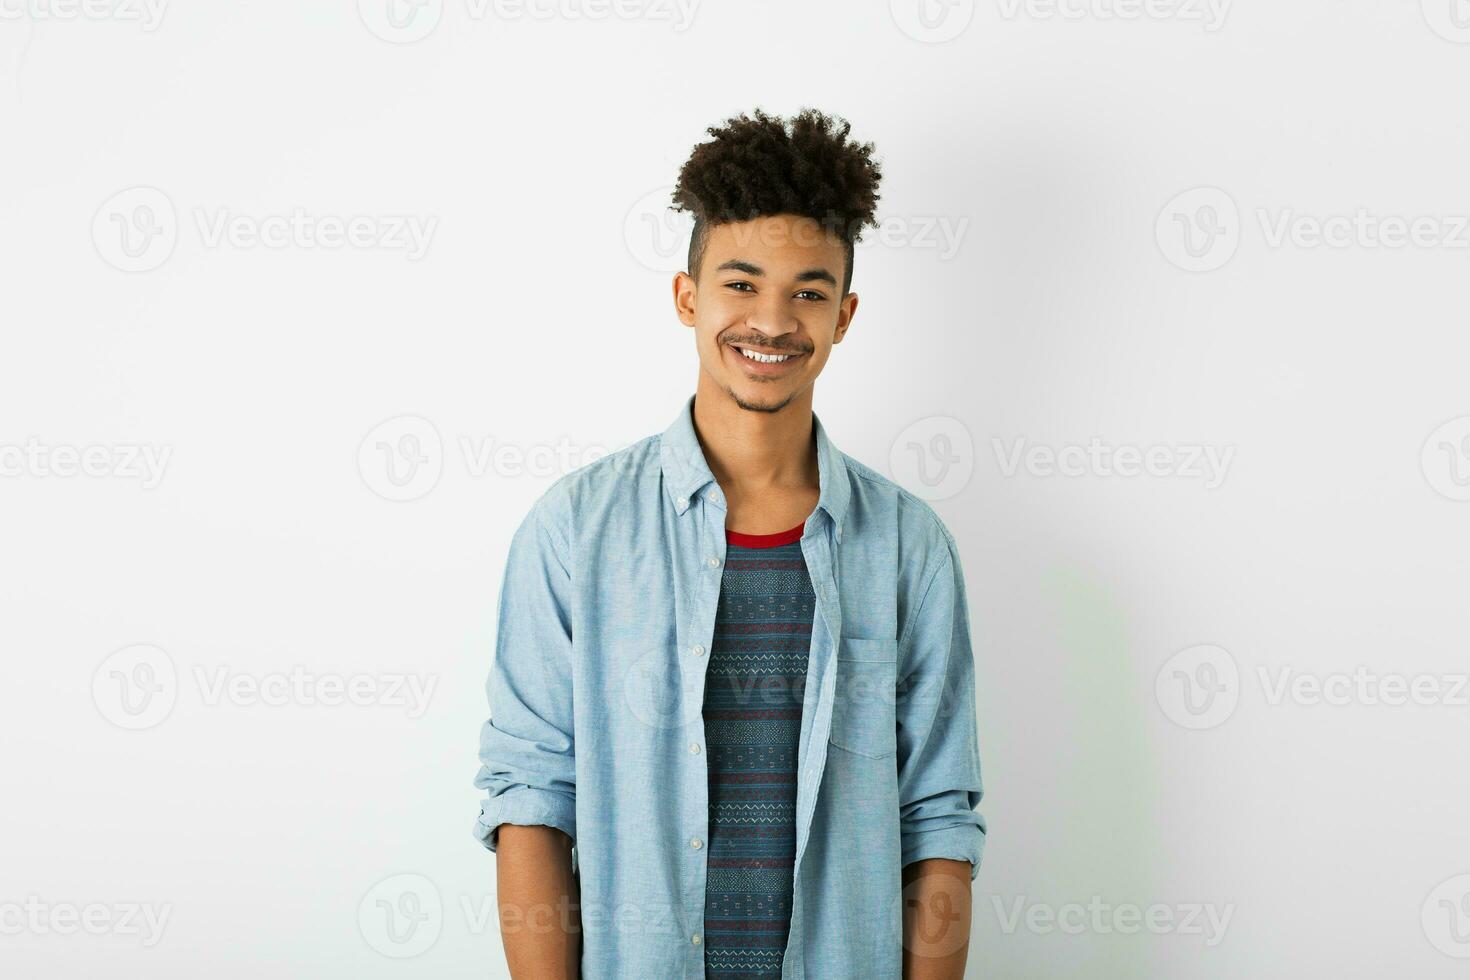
754,453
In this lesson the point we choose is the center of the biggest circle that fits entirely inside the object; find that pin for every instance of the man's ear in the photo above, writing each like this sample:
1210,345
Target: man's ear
686,297
845,312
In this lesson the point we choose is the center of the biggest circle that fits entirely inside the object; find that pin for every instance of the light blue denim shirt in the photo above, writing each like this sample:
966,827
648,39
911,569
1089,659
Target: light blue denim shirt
606,618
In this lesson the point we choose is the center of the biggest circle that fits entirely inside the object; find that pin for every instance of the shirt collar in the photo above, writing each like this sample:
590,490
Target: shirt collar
686,472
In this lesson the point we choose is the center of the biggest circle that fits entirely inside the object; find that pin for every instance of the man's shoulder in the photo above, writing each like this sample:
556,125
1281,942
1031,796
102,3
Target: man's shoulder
604,481
916,518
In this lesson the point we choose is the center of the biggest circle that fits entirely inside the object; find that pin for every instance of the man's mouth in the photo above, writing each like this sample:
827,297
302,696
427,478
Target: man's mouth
764,359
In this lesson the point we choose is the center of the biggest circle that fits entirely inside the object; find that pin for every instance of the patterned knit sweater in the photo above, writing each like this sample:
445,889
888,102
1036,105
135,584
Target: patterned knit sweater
752,721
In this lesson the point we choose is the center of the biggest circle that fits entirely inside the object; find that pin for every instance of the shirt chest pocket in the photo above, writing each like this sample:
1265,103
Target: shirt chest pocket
863,717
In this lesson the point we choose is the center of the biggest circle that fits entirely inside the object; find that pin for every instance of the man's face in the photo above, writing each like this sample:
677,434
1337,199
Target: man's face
769,286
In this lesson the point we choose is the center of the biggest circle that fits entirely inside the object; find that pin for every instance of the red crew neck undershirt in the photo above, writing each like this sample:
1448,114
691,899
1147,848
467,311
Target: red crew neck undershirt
764,540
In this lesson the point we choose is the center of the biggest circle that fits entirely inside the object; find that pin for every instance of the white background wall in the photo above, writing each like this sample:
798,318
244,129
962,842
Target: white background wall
1032,292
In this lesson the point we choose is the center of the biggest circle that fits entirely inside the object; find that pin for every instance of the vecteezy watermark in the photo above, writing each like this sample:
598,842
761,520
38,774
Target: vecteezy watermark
137,229
931,916
1363,229
400,21
406,233
941,234
1209,14
401,916
146,13
934,457
1445,917
407,21
302,688
655,234
402,458
1201,686
1200,230
1209,464
404,915
1450,19
1363,686
1102,918
932,21
37,917
1445,459
122,461
658,237
1198,687
137,687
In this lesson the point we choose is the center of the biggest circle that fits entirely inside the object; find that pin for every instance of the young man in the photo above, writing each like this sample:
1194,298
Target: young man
733,664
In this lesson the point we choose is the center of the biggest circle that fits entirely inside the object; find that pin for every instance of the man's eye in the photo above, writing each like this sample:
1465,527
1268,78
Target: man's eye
812,295
741,286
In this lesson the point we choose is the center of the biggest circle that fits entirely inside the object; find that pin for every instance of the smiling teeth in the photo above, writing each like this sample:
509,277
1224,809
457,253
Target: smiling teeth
765,358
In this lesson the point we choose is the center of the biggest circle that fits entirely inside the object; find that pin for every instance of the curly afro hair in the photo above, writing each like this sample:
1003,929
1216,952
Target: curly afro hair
755,167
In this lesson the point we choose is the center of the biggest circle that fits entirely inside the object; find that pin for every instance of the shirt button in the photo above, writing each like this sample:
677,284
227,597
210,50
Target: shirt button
694,747
696,843
698,650
683,501
694,939
712,562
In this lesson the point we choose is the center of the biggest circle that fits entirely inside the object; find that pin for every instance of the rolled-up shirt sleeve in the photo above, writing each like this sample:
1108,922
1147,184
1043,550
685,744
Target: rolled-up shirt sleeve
527,761
938,752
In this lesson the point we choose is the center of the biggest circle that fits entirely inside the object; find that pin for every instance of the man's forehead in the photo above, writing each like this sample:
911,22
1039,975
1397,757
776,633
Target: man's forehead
773,233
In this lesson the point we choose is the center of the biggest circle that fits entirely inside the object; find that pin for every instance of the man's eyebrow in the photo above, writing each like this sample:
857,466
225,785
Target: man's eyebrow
750,269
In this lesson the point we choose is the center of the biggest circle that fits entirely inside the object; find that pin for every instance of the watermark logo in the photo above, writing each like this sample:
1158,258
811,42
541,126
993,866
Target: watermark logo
943,234
146,13
123,461
37,917
303,688
932,21
1363,229
400,21
1445,459
1209,14
1364,687
402,458
136,687
654,688
1209,464
934,457
136,229
1446,917
656,235
401,916
1450,19
933,926
410,234
1102,918
407,21
1199,230
1198,687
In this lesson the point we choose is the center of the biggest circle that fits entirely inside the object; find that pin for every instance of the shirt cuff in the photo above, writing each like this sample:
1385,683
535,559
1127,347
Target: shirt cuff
528,808
965,843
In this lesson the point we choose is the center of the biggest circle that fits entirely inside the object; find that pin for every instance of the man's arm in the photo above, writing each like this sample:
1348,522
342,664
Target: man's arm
527,760
939,787
538,899
936,919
